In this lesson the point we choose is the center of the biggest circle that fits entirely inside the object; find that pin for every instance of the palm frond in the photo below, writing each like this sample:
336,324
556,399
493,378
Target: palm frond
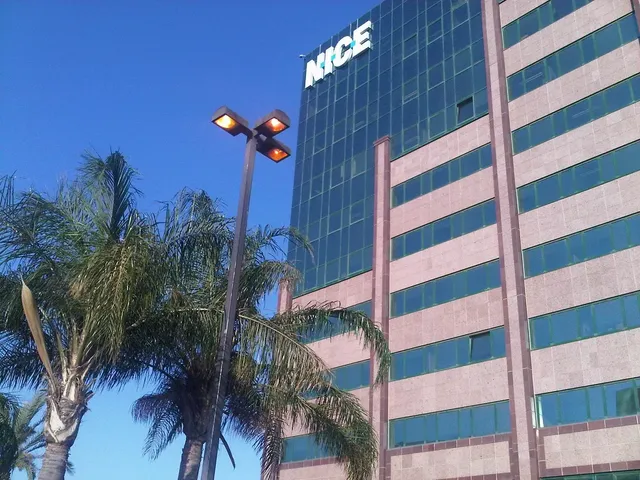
161,412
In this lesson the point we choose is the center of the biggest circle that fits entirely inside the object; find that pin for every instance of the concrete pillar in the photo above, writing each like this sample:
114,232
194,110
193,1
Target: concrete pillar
379,395
522,447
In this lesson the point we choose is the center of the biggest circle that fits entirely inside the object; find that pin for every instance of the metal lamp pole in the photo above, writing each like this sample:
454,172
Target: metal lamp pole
258,139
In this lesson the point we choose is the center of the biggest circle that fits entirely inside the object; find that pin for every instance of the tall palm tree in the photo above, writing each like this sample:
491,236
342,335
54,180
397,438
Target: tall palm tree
8,440
76,269
272,369
28,436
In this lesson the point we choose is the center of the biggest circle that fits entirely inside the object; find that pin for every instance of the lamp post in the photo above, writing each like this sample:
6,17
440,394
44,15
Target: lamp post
260,138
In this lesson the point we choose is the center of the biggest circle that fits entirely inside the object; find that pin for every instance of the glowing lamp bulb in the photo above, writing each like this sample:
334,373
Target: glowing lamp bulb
277,154
226,122
276,125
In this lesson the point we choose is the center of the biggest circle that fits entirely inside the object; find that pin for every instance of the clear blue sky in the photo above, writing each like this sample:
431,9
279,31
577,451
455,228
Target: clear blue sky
145,77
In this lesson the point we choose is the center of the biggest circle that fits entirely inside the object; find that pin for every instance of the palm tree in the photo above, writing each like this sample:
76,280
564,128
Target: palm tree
27,434
272,369
8,441
87,258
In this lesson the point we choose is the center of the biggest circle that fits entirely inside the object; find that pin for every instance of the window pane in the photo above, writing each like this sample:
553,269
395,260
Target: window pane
533,262
565,326
618,97
447,426
527,198
578,114
484,420
541,131
597,241
413,299
414,362
586,327
555,255
548,190
397,366
414,430
464,419
631,311
620,399
498,345
547,411
503,419
472,219
609,316
570,58
446,355
573,406
607,39
540,332
413,242
596,403
444,290
442,230
480,347
462,345
489,211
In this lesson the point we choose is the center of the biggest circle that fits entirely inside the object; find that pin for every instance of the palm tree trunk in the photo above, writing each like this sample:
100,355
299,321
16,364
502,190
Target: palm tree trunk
191,458
54,462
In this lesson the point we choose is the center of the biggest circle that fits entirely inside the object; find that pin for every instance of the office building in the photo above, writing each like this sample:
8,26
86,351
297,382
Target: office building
468,173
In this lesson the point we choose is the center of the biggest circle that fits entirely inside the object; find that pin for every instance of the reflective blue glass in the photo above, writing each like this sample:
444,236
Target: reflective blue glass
574,116
450,287
580,246
537,19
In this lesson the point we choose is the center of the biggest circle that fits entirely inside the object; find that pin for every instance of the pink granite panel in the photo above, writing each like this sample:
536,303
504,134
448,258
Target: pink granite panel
458,142
349,292
587,362
609,446
444,201
514,9
463,252
593,207
455,388
559,34
331,471
590,140
586,282
460,317
477,462
576,85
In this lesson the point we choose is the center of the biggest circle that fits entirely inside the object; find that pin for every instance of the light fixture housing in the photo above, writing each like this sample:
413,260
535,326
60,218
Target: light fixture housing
273,149
273,123
230,121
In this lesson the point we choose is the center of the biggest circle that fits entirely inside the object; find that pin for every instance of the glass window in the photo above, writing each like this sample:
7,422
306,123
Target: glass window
503,418
620,399
481,347
555,255
573,406
447,426
414,431
597,241
484,420
609,316
446,355
547,411
607,39
632,311
596,403
414,362
540,332
465,110
565,326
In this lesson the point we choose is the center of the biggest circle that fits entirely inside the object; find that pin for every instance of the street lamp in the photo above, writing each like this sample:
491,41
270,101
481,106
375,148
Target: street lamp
261,139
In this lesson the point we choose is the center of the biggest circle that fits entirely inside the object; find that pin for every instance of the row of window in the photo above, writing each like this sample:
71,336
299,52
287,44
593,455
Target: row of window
582,246
586,321
348,377
445,289
539,18
442,230
442,175
606,400
573,56
456,352
626,475
477,421
579,178
302,447
333,325
580,113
